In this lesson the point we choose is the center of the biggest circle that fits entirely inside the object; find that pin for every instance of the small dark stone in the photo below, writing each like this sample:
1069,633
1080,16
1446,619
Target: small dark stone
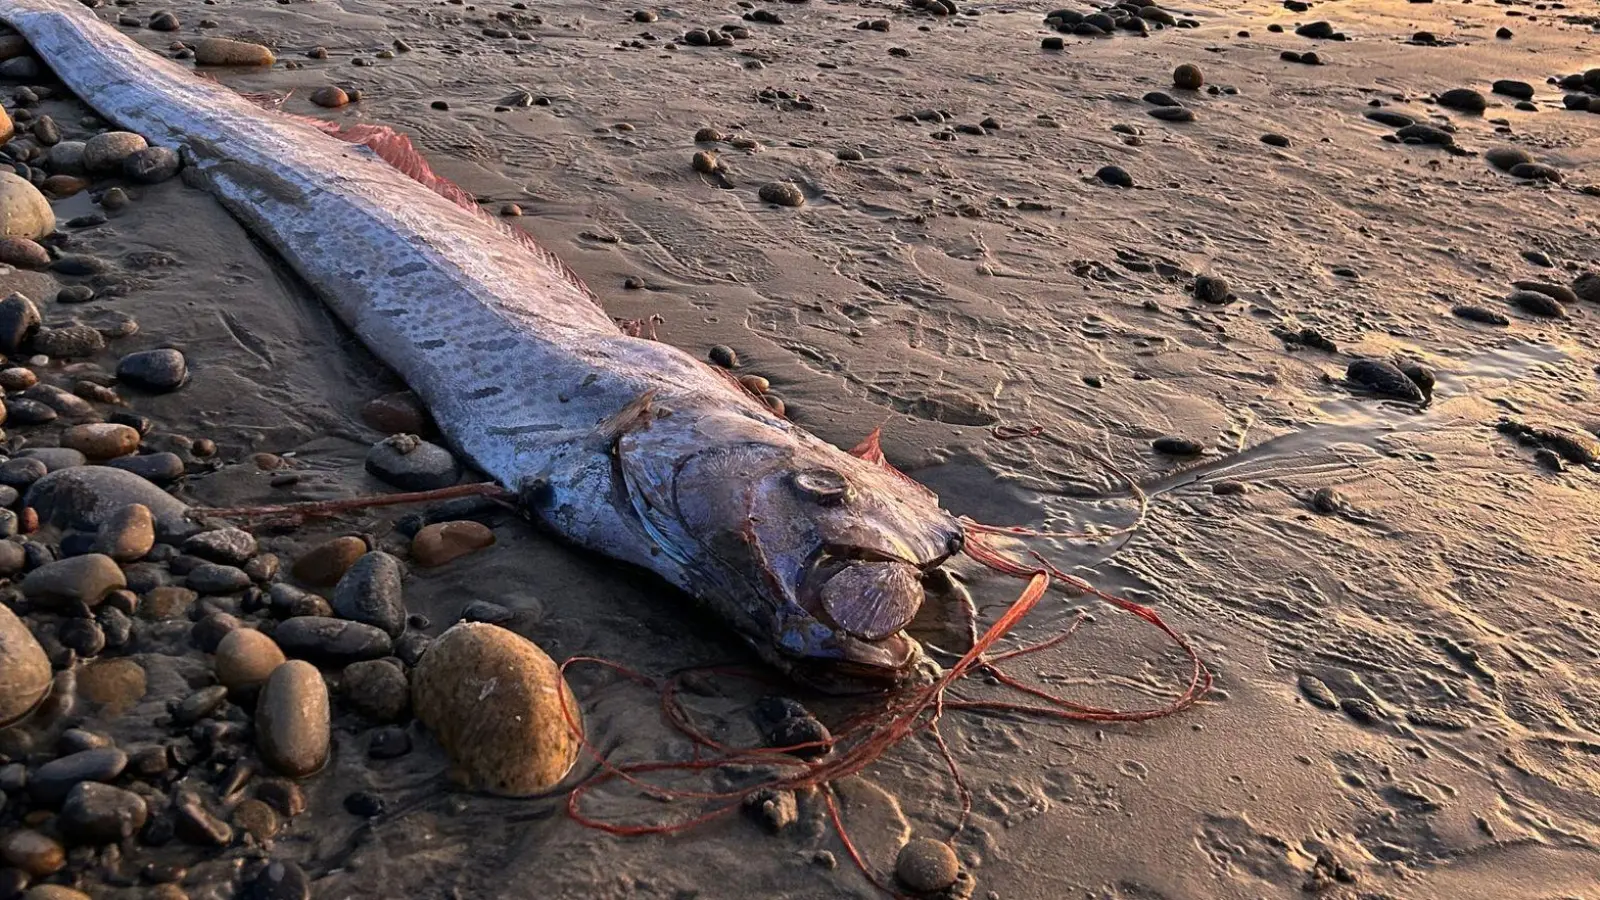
1537,304
208,632
1536,172
1275,140
83,636
1480,314
722,356
1506,158
1391,119
1177,446
53,781
1425,134
211,578
199,705
1384,378
485,611
1212,289
280,879
412,464
1317,31
365,804
1518,89
195,824
370,593
1171,114
331,640
1464,100
798,731
97,813
1327,501
1116,176
158,371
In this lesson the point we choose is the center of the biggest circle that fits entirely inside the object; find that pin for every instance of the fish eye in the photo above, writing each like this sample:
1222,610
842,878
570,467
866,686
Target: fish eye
825,486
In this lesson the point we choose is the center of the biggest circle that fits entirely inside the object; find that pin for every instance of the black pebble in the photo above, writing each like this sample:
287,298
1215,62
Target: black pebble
1480,314
1177,446
1211,289
1116,176
365,804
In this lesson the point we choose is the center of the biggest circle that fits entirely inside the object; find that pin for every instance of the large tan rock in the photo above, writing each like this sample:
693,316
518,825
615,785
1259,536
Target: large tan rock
224,52
24,212
24,669
493,700
292,720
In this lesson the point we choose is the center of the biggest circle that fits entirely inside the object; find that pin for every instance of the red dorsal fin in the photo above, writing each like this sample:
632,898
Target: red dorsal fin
397,150
870,448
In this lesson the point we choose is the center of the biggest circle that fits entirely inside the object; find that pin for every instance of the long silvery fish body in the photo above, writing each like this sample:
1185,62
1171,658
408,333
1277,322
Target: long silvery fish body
622,445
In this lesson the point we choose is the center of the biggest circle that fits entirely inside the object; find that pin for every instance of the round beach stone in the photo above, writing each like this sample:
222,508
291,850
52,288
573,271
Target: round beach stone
330,640
116,684
443,542
55,457
781,193
377,689
233,546
926,865
370,593
85,497
494,701
77,579
330,97
24,668
214,51
37,854
24,212
101,440
19,321
55,779
246,658
104,154
66,158
324,564
157,371
129,534
292,724
213,578
24,253
409,463
96,813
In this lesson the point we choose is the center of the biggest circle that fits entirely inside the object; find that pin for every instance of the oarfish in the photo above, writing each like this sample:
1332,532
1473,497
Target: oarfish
620,444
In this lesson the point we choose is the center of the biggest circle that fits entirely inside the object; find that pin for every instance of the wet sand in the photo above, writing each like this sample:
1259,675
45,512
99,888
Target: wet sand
939,287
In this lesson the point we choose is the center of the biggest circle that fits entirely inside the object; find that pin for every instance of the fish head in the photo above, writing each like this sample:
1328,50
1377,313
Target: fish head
816,556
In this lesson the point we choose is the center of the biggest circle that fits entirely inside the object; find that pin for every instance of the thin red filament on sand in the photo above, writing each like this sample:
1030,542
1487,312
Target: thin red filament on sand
865,738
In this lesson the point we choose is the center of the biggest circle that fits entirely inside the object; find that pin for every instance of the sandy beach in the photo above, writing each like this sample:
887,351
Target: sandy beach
1398,600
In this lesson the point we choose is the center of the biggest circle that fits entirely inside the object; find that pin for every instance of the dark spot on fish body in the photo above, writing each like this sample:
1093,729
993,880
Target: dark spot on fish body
486,392
494,344
408,269
391,313
431,344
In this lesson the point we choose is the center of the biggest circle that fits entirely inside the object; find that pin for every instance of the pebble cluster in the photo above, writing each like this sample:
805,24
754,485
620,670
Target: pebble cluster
117,602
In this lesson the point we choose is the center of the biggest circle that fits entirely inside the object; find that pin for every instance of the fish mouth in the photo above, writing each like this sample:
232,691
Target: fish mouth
864,598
